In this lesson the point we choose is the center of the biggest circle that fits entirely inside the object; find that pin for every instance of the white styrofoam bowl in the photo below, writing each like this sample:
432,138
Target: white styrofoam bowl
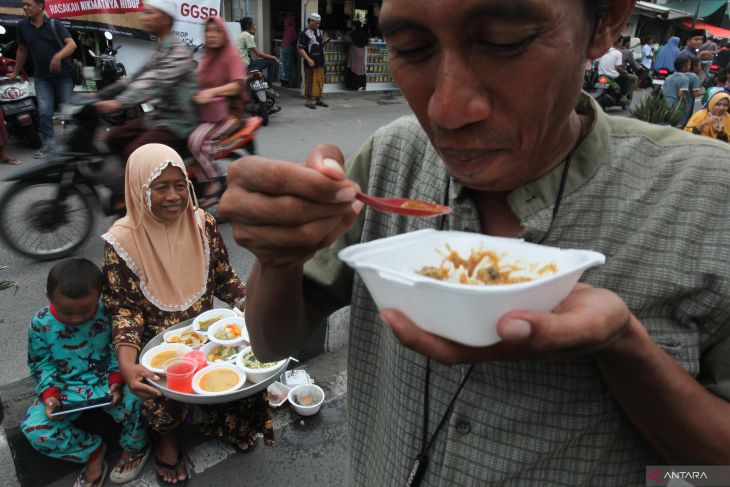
463,313
222,312
205,370
179,331
218,325
306,388
256,375
146,359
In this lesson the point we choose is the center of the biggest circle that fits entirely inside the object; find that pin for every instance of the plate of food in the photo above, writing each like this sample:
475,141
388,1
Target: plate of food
187,336
216,353
458,285
229,331
248,388
218,380
256,371
204,320
154,359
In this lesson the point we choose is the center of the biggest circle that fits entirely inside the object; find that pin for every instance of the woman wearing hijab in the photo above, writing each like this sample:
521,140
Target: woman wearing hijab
287,74
713,119
221,73
666,56
164,263
355,75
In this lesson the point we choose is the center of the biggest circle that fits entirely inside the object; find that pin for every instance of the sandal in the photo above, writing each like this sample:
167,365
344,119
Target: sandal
251,447
82,482
322,104
117,477
11,161
172,468
309,105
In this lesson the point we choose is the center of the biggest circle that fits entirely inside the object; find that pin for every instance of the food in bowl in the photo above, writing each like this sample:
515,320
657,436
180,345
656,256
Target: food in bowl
189,337
306,399
203,325
219,380
228,332
221,353
159,359
486,268
251,362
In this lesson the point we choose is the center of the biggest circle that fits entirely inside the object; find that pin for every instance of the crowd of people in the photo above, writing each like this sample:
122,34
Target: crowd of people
630,370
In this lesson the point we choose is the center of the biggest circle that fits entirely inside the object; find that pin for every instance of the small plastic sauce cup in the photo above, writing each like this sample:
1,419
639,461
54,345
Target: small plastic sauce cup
179,372
198,357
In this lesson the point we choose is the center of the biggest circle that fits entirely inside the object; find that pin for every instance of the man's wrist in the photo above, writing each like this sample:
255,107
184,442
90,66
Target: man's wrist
630,343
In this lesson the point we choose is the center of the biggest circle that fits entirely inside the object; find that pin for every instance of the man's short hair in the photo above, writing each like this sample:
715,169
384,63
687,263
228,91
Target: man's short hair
680,62
74,278
246,23
722,76
648,40
42,3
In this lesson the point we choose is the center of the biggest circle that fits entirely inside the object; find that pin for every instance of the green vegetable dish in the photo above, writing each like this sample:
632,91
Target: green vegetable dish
250,362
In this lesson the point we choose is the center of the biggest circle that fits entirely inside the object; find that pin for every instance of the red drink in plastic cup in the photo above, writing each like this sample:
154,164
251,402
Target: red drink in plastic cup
179,372
198,357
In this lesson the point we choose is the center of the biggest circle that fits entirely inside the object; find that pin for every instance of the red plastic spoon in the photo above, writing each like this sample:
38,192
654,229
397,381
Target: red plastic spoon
403,206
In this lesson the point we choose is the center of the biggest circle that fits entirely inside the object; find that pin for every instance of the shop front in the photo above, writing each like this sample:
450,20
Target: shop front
338,20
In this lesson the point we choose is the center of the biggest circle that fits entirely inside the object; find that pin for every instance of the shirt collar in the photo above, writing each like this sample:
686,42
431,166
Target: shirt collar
541,193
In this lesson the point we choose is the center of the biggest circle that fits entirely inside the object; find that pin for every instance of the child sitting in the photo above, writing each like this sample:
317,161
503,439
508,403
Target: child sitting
70,355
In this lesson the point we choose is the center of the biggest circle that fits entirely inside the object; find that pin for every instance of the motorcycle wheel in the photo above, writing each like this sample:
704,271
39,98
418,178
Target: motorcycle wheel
34,223
33,137
262,110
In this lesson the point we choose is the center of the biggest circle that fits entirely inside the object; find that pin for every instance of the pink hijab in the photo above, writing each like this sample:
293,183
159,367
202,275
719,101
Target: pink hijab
222,65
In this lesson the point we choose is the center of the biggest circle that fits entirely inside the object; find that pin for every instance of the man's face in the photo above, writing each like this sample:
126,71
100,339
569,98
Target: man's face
153,20
314,24
695,42
490,81
31,9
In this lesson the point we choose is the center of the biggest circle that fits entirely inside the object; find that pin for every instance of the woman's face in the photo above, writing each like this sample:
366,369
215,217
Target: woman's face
721,107
169,194
214,38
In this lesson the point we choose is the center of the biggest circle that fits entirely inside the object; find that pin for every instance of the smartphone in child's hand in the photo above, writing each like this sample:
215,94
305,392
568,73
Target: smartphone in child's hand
76,407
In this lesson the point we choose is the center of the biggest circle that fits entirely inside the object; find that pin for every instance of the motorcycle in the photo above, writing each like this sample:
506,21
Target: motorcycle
48,211
608,92
263,102
657,79
108,72
18,100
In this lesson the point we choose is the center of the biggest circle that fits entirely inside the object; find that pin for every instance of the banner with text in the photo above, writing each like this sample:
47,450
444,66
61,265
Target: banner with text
119,16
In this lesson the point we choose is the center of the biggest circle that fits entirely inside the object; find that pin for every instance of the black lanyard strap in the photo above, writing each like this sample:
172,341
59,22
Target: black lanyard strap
419,466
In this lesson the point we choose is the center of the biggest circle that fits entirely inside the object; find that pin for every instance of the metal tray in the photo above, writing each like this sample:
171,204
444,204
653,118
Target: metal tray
248,388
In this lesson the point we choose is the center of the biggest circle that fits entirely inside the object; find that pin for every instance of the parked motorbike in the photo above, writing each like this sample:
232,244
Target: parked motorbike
108,72
657,79
48,212
263,102
18,100
608,92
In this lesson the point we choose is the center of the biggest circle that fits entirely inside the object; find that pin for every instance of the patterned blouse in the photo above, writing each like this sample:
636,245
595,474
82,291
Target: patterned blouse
135,321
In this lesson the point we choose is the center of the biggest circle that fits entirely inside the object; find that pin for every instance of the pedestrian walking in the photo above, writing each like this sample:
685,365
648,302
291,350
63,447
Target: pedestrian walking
311,49
356,42
50,44
287,74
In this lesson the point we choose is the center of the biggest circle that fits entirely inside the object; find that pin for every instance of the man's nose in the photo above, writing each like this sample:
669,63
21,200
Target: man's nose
459,97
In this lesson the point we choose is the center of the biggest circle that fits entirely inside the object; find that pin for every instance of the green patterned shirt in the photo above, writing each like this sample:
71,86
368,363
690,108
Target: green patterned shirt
653,199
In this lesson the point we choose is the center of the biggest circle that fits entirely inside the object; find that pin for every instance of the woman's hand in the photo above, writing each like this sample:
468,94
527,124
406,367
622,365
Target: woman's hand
203,97
589,320
712,119
51,405
134,376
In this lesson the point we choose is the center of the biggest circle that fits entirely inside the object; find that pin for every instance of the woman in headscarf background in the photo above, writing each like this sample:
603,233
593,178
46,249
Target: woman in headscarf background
221,73
287,73
164,263
713,119
355,77
667,54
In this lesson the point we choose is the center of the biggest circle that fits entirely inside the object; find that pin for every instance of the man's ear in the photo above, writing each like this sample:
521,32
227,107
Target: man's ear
609,26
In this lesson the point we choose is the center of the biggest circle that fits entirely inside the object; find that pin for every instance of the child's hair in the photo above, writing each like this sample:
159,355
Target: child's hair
74,278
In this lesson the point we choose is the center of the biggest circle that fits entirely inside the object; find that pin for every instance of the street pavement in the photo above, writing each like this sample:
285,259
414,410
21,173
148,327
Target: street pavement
309,451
